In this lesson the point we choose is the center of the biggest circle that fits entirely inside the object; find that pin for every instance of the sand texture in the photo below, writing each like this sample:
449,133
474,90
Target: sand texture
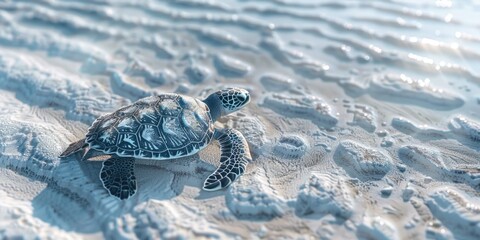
364,120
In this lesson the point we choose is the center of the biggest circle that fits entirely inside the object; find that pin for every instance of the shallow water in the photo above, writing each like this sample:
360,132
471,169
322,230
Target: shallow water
364,120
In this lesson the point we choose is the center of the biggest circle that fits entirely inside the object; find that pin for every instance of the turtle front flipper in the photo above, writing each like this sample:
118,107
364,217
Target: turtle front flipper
235,157
118,176
74,147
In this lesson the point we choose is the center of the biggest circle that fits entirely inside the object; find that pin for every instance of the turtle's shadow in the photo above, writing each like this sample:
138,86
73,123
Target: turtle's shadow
167,179
65,203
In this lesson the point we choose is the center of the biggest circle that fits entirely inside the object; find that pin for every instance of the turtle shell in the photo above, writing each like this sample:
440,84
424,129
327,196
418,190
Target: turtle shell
157,127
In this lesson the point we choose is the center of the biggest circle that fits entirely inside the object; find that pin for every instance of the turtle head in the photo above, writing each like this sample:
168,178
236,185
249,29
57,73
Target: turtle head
226,101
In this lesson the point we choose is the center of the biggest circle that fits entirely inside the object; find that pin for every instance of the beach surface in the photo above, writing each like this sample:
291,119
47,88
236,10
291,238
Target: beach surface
364,121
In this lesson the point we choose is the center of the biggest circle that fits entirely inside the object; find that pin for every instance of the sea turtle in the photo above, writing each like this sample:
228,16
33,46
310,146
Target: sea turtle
161,127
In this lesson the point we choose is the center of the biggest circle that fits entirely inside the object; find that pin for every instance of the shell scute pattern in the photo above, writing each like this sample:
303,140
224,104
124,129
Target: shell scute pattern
156,127
174,133
108,137
128,125
102,135
150,138
164,155
194,125
101,124
188,103
169,106
93,132
148,115
126,111
177,153
127,141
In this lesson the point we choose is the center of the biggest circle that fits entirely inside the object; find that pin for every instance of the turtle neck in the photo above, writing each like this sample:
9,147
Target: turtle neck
214,105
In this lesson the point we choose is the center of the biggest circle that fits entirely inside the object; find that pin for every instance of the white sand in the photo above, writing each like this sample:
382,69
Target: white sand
364,121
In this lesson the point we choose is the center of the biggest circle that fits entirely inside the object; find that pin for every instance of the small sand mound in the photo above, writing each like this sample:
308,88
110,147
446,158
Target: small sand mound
325,194
290,146
361,161
425,159
376,228
308,107
252,198
459,213
466,127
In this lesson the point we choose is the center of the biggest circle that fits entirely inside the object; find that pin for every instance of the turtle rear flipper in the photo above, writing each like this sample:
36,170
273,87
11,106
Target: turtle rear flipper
235,157
74,147
118,176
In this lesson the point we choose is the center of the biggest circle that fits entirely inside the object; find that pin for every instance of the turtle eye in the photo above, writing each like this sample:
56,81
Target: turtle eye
241,97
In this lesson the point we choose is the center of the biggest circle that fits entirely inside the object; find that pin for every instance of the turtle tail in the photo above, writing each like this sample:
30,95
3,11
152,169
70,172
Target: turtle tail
74,147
